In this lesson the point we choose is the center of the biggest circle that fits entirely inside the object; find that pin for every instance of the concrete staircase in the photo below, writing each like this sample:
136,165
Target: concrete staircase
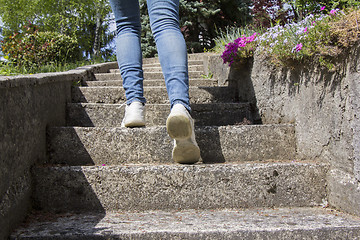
107,182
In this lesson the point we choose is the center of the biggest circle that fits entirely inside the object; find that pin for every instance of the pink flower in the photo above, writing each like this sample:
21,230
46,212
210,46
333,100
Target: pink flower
232,48
305,30
298,47
333,12
322,8
104,165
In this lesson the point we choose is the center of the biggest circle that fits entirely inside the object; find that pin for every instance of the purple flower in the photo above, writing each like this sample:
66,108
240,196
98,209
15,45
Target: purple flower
333,12
298,47
232,48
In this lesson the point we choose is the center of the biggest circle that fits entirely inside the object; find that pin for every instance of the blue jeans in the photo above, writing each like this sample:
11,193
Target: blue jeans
170,43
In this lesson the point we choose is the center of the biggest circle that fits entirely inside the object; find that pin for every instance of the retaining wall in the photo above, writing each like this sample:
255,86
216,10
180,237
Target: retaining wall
323,104
28,104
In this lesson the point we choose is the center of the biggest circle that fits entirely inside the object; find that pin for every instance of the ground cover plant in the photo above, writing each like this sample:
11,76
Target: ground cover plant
318,36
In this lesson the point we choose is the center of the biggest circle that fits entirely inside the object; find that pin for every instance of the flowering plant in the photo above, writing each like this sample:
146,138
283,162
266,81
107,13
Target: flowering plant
320,35
242,47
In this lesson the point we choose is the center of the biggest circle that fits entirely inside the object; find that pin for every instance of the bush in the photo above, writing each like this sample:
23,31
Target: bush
31,48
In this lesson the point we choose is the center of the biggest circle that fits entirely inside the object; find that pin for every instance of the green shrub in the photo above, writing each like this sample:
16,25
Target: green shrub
31,48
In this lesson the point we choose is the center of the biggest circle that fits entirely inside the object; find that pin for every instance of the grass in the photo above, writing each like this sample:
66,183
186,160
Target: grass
7,69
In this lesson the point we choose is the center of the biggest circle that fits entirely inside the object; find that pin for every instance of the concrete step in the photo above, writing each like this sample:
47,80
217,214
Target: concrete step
151,75
173,187
104,81
158,68
157,63
191,57
280,224
152,94
101,145
154,68
111,115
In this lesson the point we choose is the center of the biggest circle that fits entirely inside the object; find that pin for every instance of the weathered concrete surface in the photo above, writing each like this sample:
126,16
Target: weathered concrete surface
155,187
191,57
27,106
152,94
159,75
344,191
157,64
111,115
213,65
158,68
323,104
281,224
100,145
106,80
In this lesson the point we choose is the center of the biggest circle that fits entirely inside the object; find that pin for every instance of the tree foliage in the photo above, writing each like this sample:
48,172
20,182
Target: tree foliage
200,22
83,19
269,13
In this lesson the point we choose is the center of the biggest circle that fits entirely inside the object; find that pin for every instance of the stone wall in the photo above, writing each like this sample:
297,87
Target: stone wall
28,105
324,106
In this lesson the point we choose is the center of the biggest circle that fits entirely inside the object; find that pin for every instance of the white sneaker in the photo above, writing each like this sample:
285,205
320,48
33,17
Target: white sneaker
180,127
134,115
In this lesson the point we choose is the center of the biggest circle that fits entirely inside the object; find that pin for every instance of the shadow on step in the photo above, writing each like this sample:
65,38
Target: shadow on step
64,191
211,151
60,189
66,148
241,83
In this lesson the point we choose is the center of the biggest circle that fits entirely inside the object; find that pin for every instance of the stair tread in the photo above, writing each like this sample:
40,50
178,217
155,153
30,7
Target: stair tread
193,106
154,82
106,115
190,63
148,87
176,186
156,94
83,145
283,223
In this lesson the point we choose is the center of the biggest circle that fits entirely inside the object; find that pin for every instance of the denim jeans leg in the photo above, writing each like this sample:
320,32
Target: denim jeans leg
128,47
171,46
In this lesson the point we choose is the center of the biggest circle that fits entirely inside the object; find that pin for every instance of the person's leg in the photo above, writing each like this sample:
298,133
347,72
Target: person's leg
129,57
128,47
164,20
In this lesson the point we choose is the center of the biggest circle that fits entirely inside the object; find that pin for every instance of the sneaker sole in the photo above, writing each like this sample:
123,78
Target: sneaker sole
186,152
178,127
